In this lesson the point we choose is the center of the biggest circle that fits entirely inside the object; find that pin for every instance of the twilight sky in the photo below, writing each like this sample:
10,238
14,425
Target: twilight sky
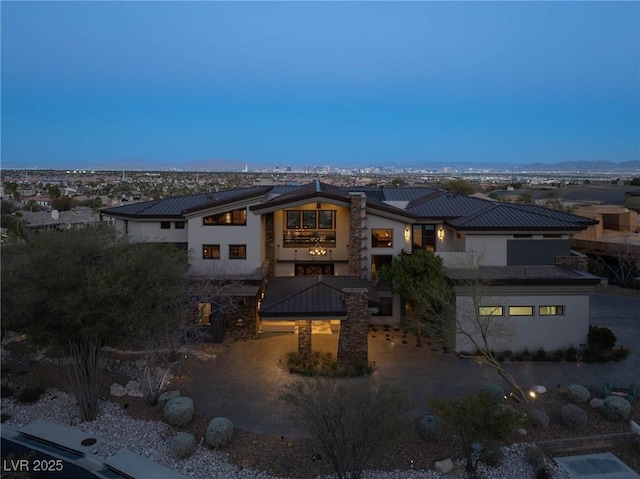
172,84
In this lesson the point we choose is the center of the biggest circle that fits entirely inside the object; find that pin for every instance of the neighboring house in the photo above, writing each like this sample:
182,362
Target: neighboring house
264,233
77,218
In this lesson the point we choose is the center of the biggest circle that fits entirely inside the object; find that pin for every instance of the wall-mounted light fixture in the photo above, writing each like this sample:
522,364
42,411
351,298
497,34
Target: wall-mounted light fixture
441,233
407,233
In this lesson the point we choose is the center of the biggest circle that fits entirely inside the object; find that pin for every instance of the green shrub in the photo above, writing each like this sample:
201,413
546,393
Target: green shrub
616,408
538,419
534,457
494,391
601,338
540,355
573,416
571,354
6,391
578,394
323,364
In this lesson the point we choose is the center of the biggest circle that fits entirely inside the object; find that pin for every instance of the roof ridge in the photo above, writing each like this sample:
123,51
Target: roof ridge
480,211
294,293
429,196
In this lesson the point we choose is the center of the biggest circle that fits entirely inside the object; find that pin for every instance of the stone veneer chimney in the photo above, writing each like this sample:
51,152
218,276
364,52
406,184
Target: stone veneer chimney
270,244
357,237
352,344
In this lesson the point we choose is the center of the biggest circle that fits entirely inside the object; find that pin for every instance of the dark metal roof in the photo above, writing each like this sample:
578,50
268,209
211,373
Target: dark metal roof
444,204
310,296
177,205
518,275
405,193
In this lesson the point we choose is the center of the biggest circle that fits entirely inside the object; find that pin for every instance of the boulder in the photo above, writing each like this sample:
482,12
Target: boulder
133,386
178,411
219,432
140,363
118,390
165,396
183,445
596,403
539,389
444,466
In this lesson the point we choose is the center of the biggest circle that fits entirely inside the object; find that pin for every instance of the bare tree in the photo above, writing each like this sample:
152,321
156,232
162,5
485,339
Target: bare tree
624,263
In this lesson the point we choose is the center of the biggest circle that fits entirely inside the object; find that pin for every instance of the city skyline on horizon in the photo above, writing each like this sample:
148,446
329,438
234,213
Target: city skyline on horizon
340,84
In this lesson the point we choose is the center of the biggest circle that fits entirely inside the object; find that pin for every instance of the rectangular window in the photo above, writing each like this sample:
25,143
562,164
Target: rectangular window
326,220
233,218
179,225
382,238
293,220
165,225
237,251
490,311
309,220
520,310
551,310
211,251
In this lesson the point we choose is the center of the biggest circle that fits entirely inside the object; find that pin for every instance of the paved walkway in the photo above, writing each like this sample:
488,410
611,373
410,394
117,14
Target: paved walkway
244,381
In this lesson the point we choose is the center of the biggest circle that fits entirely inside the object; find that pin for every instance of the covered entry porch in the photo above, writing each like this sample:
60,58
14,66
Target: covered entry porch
322,305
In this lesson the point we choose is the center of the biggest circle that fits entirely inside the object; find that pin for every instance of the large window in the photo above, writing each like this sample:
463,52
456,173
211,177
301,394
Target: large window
305,228
551,310
211,251
382,238
237,251
520,310
233,218
490,311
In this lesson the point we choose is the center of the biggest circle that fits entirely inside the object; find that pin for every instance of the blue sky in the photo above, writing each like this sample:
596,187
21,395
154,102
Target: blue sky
141,84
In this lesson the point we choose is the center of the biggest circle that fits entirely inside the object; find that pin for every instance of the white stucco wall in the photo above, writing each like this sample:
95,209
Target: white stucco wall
150,231
249,235
528,332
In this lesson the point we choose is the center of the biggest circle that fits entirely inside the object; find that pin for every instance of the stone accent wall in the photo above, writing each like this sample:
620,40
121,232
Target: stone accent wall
304,339
573,262
270,244
353,343
357,237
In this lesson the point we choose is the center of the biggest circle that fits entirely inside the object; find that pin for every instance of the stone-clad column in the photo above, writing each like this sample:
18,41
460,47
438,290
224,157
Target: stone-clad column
304,340
270,244
352,344
356,234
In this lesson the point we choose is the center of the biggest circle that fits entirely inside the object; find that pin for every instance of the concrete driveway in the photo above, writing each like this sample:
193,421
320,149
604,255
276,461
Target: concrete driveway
244,380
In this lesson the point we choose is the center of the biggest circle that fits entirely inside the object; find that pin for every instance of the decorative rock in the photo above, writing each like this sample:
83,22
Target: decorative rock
133,386
183,445
165,396
117,390
140,363
219,432
616,408
539,389
178,411
444,466
522,431
596,403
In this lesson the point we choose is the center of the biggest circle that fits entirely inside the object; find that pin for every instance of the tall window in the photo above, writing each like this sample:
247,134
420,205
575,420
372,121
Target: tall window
237,251
211,251
233,218
382,238
424,237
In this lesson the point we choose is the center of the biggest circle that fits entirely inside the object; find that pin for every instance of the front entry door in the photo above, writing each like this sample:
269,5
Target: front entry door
314,269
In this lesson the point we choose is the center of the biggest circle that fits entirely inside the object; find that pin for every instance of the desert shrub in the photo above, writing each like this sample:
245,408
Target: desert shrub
616,408
494,391
430,427
350,420
573,416
534,457
539,355
577,393
633,393
601,338
30,393
324,364
492,456
538,419
6,391
571,354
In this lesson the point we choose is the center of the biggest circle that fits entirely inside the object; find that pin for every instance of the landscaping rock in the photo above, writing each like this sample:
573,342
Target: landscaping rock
573,417
133,386
118,390
183,445
219,432
596,403
165,396
430,426
539,389
577,393
522,431
616,408
140,363
178,411
444,466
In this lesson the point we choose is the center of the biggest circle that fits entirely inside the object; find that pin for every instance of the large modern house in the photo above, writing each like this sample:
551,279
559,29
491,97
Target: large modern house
302,252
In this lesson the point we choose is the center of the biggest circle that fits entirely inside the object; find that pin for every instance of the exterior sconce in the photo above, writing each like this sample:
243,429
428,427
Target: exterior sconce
407,233
441,233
